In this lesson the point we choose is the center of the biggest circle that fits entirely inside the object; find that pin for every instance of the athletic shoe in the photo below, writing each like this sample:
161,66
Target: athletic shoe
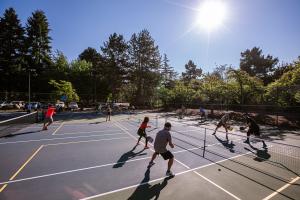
151,164
265,146
246,141
169,173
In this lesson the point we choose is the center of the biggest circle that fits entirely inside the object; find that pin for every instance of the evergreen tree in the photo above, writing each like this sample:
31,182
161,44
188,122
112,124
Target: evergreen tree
191,72
168,74
115,53
11,51
38,42
145,63
256,64
97,71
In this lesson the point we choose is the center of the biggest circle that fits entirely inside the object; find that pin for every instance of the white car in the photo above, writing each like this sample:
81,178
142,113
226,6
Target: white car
60,104
73,106
18,104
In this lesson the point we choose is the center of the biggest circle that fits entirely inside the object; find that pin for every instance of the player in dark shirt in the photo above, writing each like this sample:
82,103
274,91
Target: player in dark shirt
253,129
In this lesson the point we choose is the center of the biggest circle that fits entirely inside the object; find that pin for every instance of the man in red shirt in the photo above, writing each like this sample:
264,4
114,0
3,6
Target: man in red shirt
49,117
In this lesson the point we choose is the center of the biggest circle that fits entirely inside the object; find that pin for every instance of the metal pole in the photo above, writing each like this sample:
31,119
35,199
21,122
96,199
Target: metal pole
204,142
29,88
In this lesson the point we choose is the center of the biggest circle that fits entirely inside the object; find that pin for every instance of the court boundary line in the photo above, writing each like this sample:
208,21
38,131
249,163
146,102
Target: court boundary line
85,141
161,178
281,189
99,166
61,125
22,167
74,133
61,138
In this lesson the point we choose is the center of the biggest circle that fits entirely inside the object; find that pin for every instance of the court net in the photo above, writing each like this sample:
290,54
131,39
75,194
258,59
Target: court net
12,126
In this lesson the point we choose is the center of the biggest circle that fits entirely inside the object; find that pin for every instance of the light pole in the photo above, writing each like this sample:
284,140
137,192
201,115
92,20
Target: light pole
29,86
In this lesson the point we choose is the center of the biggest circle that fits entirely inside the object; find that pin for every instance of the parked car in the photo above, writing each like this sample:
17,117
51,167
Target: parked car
33,106
73,106
2,103
6,105
18,104
60,104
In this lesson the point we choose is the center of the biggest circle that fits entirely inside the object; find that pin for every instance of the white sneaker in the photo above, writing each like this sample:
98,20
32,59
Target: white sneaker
169,173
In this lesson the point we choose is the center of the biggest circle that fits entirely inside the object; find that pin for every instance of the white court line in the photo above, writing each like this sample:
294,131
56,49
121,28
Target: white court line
158,179
60,138
74,133
217,185
282,188
99,166
85,141
196,173
58,128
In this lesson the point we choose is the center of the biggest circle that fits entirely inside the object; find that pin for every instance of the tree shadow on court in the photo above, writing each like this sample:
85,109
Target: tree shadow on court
146,191
23,133
226,144
128,155
98,122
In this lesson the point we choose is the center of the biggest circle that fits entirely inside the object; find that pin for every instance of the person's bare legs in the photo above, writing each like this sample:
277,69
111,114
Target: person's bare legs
214,133
226,132
152,159
170,163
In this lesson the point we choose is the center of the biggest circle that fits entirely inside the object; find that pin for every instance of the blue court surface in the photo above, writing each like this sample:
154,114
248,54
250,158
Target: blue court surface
81,156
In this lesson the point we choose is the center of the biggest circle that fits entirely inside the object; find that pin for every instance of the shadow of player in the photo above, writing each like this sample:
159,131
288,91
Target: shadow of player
128,155
226,144
261,154
146,191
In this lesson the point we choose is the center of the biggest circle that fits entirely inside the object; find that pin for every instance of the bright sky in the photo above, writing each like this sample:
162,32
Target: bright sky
272,25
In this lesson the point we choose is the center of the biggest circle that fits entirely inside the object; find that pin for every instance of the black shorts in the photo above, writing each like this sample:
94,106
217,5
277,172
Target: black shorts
253,130
141,132
48,120
222,124
167,155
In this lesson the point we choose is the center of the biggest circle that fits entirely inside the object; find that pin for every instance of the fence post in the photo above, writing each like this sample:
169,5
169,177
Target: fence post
204,142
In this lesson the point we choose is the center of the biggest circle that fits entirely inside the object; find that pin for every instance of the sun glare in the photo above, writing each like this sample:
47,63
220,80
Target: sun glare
212,14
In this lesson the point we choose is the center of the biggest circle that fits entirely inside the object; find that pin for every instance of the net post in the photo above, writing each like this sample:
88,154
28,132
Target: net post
166,117
204,142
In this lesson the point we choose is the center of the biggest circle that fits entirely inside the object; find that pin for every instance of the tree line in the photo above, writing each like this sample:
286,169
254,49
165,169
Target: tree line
134,71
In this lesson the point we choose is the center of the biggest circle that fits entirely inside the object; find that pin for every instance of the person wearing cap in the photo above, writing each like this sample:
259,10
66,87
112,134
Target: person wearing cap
223,122
162,139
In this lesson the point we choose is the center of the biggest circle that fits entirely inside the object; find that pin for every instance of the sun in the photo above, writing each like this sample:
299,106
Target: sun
212,14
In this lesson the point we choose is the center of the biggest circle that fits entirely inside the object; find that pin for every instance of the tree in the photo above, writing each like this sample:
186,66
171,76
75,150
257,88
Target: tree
63,87
256,64
286,90
191,72
144,66
11,51
241,84
80,77
213,88
168,73
38,42
97,71
115,53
